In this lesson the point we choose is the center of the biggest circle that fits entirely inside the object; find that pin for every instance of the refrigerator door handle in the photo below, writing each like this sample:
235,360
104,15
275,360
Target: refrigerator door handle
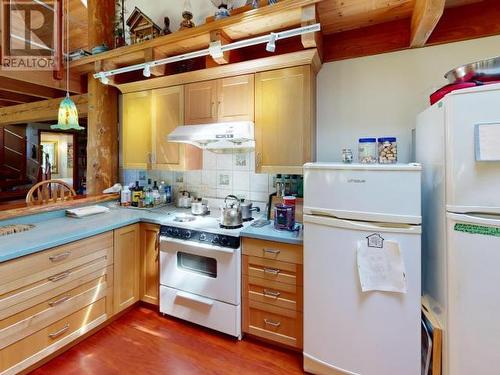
481,219
362,225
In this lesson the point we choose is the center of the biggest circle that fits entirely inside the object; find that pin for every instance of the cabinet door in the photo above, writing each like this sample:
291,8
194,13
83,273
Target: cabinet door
136,130
235,98
284,120
200,103
126,267
168,113
150,248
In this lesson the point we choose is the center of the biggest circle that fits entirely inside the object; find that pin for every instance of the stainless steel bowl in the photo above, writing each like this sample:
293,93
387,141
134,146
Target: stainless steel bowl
480,70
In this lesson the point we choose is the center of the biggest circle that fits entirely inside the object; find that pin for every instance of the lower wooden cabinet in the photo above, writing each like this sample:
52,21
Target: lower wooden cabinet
127,267
272,294
150,258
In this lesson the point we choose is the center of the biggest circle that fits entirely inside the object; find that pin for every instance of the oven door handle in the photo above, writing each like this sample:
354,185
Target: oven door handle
198,245
194,298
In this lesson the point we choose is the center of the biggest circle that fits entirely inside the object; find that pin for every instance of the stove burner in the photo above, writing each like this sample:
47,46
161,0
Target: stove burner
248,219
184,218
231,227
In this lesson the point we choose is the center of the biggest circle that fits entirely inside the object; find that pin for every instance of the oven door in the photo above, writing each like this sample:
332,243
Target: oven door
202,269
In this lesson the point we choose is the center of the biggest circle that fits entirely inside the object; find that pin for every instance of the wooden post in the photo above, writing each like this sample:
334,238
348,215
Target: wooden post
102,124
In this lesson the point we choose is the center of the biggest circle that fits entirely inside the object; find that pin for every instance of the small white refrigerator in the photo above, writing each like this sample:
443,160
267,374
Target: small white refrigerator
458,144
352,211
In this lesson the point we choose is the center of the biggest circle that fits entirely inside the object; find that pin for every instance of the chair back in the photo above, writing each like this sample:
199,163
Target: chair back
49,191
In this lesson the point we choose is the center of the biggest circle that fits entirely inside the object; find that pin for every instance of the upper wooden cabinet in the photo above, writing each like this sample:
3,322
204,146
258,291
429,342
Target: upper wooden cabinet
285,123
222,100
168,113
127,266
148,118
136,130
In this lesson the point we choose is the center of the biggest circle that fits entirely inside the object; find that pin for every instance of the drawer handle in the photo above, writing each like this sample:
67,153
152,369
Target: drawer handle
60,332
59,257
272,323
60,300
272,271
60,276
271,251
271,293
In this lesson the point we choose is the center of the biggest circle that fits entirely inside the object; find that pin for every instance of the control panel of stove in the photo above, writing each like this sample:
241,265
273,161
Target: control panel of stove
199,236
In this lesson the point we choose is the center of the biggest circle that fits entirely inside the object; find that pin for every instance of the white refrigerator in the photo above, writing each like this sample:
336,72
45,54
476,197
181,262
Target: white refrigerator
458,144
347,330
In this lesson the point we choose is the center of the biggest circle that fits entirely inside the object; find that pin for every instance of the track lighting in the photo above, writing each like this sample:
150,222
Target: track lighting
104,79
147,71
215,49
271,45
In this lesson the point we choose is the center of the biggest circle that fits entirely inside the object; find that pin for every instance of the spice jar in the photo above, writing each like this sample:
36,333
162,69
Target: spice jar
367,150
387,150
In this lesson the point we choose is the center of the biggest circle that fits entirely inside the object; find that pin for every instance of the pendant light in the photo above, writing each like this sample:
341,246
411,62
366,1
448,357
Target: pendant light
68,113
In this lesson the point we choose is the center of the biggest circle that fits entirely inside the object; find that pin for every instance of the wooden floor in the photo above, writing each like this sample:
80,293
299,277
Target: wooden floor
143,342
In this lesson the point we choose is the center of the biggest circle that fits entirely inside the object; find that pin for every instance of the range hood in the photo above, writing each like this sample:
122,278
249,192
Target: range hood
223,137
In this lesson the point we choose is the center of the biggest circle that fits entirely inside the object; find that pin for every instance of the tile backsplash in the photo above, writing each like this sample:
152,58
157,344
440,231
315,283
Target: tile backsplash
222,174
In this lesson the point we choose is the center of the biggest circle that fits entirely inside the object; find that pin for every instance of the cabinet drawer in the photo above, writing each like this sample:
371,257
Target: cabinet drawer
273,270
273,293
276,324
22,297
46,341
30,269
273,250
25,323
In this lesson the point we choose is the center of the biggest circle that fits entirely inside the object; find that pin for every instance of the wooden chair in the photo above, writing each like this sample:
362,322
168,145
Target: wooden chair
49,191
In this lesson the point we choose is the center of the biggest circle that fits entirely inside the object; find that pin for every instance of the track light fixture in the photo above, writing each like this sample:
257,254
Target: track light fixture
103,78
147,71
271,45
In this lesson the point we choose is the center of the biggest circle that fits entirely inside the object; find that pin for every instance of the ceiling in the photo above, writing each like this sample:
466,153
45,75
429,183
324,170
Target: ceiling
342,15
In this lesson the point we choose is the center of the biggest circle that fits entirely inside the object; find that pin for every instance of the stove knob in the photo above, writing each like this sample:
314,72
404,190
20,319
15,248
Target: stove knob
203,237
176,232
187,234
224,241
216,239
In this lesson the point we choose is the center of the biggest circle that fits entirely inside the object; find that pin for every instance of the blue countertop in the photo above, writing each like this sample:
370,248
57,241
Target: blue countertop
268,233
55,229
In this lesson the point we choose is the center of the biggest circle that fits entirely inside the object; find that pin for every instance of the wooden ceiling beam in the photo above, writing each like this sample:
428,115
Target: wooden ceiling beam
45,110
21,87
16,97
44,78
426,15
482,20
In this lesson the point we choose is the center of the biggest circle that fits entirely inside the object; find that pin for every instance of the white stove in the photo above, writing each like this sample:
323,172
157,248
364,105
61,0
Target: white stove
200,271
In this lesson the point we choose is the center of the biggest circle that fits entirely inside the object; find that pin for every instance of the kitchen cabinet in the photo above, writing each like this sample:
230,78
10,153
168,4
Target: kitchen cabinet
127,265
285,123
136,130
222,100
272,294
148,118
150,255
168,113
52,298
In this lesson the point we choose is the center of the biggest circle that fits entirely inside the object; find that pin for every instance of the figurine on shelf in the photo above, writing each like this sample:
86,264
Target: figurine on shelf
142,27
222,9
187,15
166,30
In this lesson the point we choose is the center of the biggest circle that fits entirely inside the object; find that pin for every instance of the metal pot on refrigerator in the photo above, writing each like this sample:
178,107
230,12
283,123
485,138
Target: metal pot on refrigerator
231,216
198,207
247,209
184,199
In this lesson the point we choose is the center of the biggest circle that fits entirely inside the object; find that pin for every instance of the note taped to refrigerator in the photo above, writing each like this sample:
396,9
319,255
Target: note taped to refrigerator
382,268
